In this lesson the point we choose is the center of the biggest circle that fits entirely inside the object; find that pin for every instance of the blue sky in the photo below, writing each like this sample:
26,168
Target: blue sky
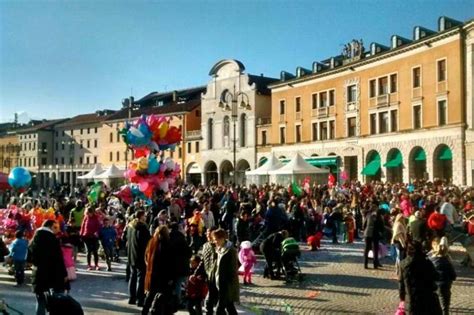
63,58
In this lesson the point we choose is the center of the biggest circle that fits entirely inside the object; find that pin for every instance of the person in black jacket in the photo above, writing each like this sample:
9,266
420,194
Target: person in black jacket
180,253
417,282
445,270
46,255
271,249
373,231
137,240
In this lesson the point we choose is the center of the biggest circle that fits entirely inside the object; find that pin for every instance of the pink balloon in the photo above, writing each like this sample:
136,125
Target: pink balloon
143,186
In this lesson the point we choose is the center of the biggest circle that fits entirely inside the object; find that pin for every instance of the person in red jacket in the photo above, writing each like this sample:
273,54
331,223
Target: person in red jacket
90,234
196,289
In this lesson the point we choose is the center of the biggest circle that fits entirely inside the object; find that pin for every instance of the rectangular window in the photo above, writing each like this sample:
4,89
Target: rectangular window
44,161
416,77
64,133
383,122
56,145
88,144
332,98
62,146
394,120
81,160
197,146
72,132
372,88
111,137
373,124
298,133
82,131
351,93
111,156
118,136
82,144
29,146
323,130
62,160
118,156
95,131
298,104
314,101
442,113
383,86
87,160
95,143
95,159
417,117
393,83
264,137
323,99
56,133
189,147
332,129
88,130
34,161
71,161
314,127
34,146
180,153
441,70
171,154
56,161
282,135
282,107
351,127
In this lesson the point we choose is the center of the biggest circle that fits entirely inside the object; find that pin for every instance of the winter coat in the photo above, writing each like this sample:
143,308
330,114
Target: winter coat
227,277
418,230
197,284
137,240
275,219
90,226
373,226
47,256
418,287
160,262
247,258
107,236
209,258
444,268
181,254
68,251
19,249
243,230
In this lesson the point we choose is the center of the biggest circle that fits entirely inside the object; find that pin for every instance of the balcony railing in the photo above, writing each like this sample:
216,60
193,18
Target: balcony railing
323,112
193,134
264,121
383,100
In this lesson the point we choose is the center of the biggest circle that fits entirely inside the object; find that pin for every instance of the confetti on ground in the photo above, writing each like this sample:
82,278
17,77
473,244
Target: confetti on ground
313,294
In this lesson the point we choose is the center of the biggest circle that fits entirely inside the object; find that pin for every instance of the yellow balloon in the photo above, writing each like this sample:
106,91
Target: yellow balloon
164,129
142,164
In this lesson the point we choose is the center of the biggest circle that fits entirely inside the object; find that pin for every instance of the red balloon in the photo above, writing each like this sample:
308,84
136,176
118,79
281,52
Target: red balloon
4,182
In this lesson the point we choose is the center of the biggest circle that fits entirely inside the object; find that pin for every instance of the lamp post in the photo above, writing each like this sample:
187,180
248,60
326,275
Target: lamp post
128,103
70,144
230,102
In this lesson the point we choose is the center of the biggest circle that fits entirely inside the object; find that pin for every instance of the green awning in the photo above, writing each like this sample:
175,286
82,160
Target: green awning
420,155
446,154
395,161
323,161
318,161
372,167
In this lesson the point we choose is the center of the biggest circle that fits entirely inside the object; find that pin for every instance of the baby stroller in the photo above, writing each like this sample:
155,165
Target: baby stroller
290,252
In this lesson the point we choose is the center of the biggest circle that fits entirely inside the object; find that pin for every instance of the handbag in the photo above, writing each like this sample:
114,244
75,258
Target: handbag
71,273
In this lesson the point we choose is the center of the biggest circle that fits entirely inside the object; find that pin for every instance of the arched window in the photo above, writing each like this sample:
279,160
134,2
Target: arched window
226,126
243,129
210,135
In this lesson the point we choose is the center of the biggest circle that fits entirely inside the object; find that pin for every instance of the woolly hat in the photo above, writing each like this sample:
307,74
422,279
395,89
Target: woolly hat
245,245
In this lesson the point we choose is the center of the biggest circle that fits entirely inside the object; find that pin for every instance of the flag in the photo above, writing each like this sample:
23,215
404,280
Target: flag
297,191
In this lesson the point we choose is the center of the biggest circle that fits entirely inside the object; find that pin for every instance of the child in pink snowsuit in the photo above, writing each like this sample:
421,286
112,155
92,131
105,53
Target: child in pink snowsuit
68,257
248,259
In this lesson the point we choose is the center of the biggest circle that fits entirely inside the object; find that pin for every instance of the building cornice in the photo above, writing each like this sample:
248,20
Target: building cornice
372,59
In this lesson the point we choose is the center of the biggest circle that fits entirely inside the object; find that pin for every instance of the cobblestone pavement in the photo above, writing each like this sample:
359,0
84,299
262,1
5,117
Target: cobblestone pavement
335,282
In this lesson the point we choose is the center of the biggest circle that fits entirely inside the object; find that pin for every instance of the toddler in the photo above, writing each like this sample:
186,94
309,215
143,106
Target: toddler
18,252
248,259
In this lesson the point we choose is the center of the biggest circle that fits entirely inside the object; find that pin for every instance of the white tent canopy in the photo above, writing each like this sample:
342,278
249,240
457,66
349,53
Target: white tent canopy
298,166
111,172
272,164
97,170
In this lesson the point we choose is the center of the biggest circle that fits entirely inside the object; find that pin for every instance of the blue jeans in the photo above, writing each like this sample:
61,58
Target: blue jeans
177,289
40,304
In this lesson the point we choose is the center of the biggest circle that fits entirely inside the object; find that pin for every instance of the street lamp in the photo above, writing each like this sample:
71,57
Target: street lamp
229,102
71,157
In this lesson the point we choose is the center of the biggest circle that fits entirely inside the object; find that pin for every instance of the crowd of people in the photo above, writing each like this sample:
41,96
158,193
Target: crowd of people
189,245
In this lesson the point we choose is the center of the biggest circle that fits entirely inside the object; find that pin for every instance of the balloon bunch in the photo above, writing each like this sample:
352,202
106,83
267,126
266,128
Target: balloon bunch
149,137
151,131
